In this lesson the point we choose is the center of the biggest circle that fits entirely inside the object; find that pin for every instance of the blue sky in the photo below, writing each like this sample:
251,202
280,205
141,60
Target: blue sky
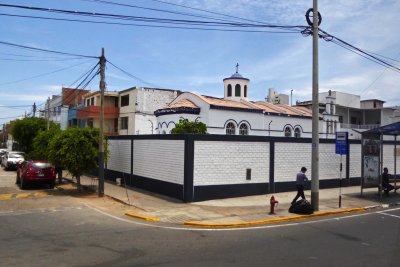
197,61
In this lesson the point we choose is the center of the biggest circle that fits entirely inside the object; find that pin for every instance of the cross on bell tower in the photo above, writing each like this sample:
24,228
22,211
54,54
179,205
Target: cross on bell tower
237,67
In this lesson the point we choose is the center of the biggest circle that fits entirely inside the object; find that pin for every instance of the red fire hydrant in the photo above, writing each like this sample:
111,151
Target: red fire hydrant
273,202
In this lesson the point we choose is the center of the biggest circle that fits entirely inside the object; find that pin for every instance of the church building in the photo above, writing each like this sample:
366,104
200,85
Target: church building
235,114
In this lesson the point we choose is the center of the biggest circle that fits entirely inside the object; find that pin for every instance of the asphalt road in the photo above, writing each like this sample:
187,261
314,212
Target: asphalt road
59,230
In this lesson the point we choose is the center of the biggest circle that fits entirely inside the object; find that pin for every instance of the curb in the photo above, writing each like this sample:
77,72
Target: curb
138,216
275,220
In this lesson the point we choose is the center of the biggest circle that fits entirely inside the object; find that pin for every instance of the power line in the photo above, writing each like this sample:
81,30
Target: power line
131,75
153,26
43,50
38,60
156,20
207,11
43,74
155,9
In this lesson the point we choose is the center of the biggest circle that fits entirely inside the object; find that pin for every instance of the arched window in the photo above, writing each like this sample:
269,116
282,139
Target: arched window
288,132
229,90
237,90
243,129
230,128
245,91
297,133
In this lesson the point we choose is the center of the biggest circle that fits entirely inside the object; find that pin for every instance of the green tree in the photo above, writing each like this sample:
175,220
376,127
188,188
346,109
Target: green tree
41,142
76,149
25,130
186,126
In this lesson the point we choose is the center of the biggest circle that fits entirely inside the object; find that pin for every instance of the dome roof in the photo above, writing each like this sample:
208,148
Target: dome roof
236,76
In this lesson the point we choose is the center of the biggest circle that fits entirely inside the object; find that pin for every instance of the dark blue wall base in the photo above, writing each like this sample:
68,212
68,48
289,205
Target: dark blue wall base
323,184
208,192
152,185
202,193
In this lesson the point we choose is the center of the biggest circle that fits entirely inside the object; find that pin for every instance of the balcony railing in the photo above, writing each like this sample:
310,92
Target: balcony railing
94,112
357,126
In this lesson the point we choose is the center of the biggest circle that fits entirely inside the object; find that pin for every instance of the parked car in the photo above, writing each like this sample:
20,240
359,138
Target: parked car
35,171
11,158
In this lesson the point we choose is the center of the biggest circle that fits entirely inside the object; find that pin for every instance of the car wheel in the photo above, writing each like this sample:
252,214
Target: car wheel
22,184
17,180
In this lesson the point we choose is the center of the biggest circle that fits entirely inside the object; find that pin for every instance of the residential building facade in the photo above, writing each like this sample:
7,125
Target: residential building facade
137,106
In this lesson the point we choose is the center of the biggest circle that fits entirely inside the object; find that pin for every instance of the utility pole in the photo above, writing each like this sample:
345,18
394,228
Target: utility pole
101,137
34,109
48,113
315,110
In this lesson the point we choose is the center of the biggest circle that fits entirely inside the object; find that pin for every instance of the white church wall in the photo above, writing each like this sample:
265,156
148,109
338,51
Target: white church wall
290,157
355,160
119,158
219,162
159,159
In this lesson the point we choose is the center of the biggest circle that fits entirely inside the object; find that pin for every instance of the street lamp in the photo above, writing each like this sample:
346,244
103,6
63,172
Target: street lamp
269,128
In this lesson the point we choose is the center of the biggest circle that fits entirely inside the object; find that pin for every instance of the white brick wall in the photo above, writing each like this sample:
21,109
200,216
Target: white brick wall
159,159
329,162
120,155
217,163
355,160
289,158
388,157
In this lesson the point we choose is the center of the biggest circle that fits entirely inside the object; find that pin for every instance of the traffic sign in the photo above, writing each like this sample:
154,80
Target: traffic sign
342,143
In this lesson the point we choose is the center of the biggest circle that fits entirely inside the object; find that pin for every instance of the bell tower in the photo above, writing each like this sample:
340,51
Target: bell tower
236,87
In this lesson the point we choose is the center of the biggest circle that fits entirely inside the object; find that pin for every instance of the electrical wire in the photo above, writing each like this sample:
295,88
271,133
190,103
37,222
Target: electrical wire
44,50
157,10
154,26
131,75
207,11
154,19
43,74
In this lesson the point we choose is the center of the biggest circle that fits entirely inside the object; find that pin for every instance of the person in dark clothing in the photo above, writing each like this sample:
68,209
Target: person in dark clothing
385,181
301,179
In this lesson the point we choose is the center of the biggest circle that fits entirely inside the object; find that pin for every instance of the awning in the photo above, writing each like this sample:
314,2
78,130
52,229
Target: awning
390,129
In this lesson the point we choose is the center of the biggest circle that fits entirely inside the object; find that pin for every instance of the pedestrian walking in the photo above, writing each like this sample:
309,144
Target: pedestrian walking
301,179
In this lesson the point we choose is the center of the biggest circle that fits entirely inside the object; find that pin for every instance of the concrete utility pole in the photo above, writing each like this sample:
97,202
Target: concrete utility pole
48,113
101,136
34,109
315,110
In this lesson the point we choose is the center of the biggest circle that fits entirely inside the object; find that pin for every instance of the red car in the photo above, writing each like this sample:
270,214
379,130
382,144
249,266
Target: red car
35,171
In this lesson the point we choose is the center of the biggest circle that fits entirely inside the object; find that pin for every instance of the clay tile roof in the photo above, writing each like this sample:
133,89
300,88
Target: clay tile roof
228,103
183,103
284,109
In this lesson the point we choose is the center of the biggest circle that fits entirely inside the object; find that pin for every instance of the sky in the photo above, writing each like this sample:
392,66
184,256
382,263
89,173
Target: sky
195,60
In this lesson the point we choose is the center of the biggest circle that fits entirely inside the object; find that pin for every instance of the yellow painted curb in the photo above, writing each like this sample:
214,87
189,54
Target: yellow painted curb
5,196
275,220
40,194
130,214
22,195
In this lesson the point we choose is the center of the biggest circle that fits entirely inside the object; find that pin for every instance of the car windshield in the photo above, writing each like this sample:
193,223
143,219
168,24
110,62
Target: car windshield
41,165
16,155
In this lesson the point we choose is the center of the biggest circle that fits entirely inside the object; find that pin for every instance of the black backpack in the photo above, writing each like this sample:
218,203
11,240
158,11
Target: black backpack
302,206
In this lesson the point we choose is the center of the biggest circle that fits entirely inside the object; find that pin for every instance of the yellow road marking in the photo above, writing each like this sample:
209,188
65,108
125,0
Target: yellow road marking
40,194
5,196
22,195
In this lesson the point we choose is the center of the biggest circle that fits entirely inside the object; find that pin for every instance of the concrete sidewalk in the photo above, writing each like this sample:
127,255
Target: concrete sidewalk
241,210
